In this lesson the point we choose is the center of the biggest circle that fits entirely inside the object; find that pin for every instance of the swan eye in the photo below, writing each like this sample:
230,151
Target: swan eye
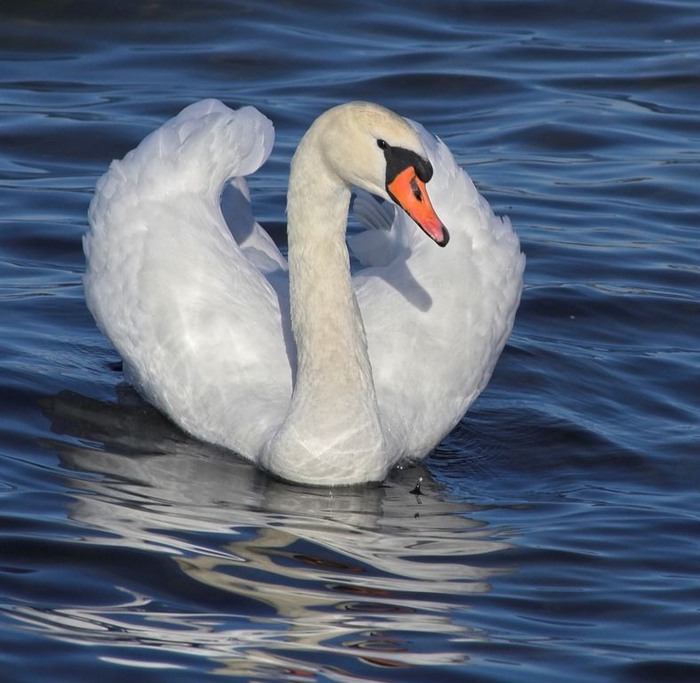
382,144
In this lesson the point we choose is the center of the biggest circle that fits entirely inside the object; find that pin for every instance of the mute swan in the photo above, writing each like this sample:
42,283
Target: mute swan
316,376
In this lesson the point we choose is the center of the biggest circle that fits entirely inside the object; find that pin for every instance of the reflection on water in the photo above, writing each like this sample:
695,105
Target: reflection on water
143,547
267,578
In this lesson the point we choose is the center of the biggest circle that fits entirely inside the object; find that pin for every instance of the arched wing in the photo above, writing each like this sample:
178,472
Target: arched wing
190,311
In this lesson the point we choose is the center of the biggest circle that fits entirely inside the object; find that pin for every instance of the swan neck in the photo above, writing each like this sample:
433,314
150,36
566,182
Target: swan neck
326,320
332,428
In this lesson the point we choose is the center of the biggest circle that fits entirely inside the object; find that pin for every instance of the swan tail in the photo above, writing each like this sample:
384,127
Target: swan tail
371,213
377,244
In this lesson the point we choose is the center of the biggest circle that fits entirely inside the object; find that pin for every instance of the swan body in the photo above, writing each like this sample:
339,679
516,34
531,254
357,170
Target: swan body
317,376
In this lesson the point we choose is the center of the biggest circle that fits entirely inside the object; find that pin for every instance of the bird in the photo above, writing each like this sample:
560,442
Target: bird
332,360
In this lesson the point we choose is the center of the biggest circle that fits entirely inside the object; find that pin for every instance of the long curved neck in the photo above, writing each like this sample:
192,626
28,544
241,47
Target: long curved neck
326,321
333,420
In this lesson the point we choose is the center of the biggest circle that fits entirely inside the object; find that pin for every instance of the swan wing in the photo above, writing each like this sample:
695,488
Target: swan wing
436,319
189,309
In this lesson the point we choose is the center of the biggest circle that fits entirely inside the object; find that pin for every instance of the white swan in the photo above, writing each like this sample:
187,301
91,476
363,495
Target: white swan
364,372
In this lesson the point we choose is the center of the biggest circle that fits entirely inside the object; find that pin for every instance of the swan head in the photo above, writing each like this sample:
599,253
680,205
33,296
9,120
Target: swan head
373,148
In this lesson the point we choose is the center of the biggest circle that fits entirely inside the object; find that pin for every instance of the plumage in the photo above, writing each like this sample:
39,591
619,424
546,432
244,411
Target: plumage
383,366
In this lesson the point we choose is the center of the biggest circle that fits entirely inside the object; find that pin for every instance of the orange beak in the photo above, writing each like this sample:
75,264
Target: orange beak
409,192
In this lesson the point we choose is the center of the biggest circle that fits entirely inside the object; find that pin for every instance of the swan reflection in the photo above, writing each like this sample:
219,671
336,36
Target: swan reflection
263,577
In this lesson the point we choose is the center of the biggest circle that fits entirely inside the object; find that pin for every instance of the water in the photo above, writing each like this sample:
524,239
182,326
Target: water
556,537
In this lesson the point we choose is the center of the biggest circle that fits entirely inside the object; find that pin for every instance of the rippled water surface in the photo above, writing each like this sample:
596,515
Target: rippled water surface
556,535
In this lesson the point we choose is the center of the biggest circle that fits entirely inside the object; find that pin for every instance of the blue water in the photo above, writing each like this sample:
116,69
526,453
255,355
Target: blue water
557,536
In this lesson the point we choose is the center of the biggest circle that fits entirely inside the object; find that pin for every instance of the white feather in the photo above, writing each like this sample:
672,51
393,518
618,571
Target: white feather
199,312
